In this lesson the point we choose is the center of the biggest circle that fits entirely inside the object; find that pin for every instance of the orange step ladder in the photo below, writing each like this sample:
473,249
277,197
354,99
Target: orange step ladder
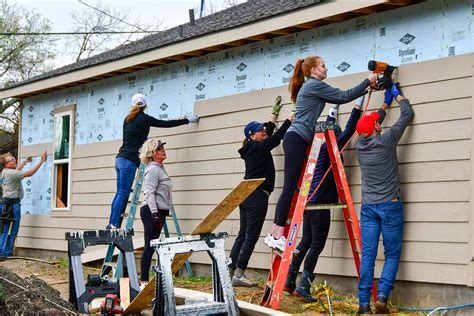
281,263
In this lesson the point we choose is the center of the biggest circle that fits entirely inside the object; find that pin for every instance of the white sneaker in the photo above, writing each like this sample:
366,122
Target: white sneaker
143,285
278,244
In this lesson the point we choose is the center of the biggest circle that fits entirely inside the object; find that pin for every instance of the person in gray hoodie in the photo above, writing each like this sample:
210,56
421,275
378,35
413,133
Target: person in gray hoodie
310,94
382,208
157,200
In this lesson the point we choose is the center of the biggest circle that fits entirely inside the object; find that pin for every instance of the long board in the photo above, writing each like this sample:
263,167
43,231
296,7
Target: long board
208,225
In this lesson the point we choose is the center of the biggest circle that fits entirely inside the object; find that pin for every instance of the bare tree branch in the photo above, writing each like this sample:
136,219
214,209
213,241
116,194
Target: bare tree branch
100,18
21,57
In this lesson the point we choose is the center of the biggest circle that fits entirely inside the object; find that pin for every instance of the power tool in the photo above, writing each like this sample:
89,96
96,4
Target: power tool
111,305
385,74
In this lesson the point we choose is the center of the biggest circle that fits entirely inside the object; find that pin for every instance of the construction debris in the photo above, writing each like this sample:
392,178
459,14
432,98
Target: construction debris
30,295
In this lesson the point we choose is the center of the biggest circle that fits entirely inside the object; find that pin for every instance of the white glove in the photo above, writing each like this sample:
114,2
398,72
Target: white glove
359,101
193,119
333,111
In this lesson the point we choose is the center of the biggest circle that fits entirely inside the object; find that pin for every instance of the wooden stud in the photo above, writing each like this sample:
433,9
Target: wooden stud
284,31
124,292
175,57
195,53
260,37
214,48
336,18
367,10
308,25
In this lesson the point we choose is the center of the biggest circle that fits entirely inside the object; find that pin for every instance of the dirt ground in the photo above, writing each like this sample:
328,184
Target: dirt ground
38,275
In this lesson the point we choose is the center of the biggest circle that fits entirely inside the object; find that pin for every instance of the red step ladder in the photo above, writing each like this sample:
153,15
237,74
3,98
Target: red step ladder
281,263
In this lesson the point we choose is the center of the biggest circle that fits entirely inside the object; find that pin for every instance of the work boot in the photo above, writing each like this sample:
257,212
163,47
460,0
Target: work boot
242,281
290,283
381,305
364,309
304,289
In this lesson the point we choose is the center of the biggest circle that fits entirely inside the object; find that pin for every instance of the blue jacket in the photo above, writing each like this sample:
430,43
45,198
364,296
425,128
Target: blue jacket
327,193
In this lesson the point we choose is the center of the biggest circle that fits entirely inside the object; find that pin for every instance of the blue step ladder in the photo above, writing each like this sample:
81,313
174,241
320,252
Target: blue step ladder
108,264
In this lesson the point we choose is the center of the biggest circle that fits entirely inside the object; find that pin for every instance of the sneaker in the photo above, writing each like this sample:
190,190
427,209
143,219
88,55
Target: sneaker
364,309
381,305
242,281
278,244
301,292
110,226
143,285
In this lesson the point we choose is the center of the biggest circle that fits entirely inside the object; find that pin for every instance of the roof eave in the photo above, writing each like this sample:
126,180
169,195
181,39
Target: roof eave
293,21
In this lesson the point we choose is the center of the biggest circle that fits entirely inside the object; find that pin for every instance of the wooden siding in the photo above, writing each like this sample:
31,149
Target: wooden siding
435,166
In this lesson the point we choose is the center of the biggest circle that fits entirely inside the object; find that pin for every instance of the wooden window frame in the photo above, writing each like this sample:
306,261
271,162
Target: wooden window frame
54,207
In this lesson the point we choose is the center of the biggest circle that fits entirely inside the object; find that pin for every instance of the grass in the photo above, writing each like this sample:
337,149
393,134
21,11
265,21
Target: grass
194,280
63,262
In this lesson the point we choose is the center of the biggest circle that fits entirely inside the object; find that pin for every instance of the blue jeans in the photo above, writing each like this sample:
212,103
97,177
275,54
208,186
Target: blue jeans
126,170
10,231
375,218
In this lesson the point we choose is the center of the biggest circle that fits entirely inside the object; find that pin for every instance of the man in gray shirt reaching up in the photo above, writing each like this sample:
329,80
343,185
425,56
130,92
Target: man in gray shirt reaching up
382,209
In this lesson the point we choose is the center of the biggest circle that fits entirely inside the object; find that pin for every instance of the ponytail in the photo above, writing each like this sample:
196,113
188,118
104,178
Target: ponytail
296,80
302,70
136,108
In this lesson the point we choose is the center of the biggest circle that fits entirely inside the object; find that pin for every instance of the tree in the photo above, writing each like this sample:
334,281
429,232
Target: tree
24,53
98,29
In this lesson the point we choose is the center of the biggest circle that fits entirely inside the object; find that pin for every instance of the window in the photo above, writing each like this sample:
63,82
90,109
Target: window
62,145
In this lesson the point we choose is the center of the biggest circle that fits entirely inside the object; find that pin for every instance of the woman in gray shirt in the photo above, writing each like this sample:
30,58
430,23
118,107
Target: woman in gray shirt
310,94
157,199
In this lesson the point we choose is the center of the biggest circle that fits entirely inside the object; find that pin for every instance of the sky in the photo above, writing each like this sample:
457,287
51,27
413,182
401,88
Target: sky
172,12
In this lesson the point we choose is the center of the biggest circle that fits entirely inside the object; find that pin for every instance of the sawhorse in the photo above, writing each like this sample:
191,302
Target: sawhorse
213,244
80,293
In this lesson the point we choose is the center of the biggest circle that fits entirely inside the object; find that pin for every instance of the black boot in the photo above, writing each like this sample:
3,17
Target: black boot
290,283
381,305
364,309
304,289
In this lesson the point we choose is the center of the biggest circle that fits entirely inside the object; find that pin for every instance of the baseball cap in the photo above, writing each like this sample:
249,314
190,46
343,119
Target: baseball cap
253,127
160,144
366,123
139,98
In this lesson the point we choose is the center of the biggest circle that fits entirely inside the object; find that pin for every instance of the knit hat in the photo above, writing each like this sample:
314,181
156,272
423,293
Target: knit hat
366,123
252,128
139,98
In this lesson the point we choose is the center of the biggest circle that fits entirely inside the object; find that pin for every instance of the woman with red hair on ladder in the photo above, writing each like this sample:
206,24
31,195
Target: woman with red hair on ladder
310,94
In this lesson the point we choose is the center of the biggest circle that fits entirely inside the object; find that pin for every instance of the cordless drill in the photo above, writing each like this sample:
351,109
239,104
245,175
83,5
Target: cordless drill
385,74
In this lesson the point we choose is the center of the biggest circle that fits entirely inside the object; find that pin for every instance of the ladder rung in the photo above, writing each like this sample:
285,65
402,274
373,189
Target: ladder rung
110,264
312,207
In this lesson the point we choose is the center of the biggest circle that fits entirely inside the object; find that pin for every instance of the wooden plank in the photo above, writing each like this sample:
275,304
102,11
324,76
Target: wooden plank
124,292
208,225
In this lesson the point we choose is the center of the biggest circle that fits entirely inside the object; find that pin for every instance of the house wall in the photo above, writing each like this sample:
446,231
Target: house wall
421,32
435,165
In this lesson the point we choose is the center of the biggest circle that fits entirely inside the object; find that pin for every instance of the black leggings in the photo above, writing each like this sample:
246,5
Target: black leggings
150,232
252,216
295,148
315,233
